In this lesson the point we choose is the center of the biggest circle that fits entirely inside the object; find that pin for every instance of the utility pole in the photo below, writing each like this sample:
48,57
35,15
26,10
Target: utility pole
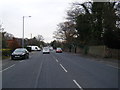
23,31
31,35
23,34
31,39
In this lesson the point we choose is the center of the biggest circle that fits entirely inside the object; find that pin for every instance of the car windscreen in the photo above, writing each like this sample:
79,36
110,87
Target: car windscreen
45,49
59,49
19,50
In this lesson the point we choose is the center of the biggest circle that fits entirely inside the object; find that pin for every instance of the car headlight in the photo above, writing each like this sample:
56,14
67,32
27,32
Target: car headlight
12,53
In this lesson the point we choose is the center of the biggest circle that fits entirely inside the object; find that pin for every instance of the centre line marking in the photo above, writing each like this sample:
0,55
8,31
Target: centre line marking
77,84
56,60
7,68
63,68
22,61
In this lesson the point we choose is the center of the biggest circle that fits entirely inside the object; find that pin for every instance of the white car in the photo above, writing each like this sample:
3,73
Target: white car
46,50
34,48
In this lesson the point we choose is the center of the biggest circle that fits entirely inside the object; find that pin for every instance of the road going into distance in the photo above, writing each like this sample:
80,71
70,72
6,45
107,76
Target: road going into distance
58,70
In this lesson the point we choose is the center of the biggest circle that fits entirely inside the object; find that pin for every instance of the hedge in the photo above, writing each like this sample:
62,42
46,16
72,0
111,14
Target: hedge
6,52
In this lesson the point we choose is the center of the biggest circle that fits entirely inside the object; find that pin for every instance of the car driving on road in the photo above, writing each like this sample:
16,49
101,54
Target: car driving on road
58,50
20,53
46,50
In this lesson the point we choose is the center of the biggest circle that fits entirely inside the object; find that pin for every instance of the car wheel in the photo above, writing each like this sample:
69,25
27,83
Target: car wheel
24,57
28,57
12,58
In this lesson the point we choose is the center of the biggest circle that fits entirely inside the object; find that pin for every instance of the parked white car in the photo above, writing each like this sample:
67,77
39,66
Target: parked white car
34,48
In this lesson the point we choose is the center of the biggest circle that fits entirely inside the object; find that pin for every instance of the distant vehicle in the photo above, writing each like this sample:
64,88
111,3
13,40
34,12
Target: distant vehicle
34,48
20,53
58,50
51,48
46,50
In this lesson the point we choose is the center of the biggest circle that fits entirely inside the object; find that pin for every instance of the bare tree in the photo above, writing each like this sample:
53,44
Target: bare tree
39,38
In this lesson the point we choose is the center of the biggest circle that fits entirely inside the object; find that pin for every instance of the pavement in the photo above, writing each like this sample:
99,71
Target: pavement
109,61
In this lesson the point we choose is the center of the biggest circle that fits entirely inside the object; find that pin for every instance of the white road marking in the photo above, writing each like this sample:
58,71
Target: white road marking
77,84
63,68
113,66
38,75
7,68
21,61
56,60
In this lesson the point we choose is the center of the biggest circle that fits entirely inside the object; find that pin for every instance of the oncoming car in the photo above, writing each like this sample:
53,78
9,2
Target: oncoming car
46,50
58,50
20,53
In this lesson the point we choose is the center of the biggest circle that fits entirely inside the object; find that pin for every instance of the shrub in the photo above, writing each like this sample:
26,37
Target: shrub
6,52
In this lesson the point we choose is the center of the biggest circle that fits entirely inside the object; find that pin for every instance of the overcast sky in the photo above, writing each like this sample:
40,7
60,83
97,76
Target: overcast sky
46,14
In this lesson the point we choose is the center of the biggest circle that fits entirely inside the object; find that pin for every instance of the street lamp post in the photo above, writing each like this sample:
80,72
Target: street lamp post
23,31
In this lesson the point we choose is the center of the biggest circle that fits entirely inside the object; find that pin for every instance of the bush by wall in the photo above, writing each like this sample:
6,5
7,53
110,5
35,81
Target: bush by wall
6,52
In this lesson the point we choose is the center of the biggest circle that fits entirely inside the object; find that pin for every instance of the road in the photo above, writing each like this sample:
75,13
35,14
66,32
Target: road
58,70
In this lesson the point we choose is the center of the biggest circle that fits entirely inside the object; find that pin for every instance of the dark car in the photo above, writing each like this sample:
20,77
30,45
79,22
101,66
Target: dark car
20,53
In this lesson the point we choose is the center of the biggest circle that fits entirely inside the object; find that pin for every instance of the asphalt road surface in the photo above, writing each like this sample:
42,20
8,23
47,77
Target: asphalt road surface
58,70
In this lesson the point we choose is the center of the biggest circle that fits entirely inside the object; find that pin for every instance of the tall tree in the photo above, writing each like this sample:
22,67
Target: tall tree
39,38
94,20
95,23
83,23
111,29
